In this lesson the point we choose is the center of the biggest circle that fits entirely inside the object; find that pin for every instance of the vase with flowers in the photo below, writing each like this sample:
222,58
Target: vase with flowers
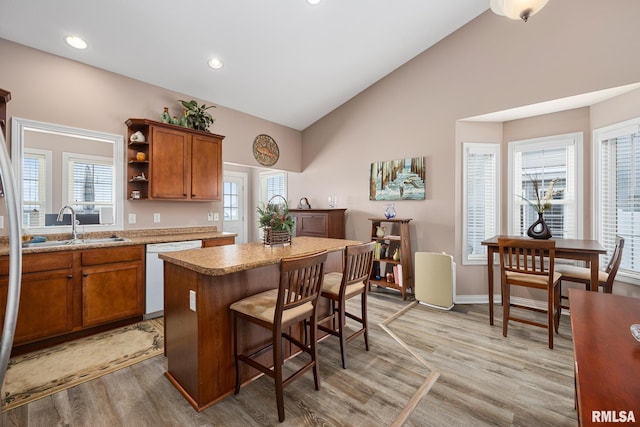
539,229
275,221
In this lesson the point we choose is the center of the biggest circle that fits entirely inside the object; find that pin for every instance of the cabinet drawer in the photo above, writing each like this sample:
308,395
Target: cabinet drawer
109,255
33,263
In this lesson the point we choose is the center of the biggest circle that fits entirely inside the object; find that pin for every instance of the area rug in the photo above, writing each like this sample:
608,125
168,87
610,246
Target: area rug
41,373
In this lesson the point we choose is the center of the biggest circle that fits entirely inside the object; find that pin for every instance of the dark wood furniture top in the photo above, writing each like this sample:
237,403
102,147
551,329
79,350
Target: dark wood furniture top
607,357
575,249
319,222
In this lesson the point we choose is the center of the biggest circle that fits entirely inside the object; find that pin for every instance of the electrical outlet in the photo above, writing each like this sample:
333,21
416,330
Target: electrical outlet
192,300
1,221
156,217
132,218
209,216
216,216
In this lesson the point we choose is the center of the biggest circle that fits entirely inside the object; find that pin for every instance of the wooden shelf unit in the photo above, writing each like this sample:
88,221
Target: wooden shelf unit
396,237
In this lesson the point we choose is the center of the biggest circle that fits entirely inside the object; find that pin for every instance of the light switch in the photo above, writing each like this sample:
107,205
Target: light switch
1,221
216,217
209,216
192,300
156,217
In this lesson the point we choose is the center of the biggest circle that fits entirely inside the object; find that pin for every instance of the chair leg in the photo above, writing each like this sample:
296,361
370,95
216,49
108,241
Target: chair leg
314,351
558,299
505,308
235,351
365,323
341,334
277,370
551,297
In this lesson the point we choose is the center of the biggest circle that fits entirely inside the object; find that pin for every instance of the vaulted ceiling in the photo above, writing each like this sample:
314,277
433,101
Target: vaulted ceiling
284,60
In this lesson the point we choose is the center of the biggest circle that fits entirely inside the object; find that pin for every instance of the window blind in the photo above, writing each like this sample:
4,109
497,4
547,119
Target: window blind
90,185
33,189
480,198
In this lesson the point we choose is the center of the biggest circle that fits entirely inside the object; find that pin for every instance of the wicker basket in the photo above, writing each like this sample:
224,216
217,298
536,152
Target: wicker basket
276,237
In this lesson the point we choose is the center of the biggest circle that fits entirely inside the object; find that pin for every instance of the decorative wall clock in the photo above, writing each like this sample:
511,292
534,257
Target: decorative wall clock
265,150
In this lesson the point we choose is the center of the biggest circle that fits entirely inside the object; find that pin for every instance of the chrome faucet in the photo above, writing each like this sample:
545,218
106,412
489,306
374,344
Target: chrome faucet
74,234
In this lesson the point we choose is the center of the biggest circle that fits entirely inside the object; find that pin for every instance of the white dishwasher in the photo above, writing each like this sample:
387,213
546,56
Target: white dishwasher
154,304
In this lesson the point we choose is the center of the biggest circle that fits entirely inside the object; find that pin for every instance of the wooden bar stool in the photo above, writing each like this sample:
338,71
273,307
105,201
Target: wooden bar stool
339,287
277,310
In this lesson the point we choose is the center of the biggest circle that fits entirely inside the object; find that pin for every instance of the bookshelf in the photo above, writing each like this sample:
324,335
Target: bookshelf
388,272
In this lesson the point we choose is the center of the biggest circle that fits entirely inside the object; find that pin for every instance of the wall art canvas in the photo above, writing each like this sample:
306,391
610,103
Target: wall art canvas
397,179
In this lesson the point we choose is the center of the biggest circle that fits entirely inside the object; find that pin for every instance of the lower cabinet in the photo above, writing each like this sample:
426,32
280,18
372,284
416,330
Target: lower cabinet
319,222
67,292
112,284
46,296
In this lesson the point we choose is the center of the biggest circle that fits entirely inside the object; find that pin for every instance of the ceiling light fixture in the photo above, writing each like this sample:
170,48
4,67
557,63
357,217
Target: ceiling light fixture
76,42
314,2
517,9
215,63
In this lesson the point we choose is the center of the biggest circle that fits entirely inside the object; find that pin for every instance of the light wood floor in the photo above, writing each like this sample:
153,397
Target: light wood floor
484,380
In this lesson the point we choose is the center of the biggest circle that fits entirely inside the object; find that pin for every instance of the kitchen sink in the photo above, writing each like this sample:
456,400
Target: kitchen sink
73,242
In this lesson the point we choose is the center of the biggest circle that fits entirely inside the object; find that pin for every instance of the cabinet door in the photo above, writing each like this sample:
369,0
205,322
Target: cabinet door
112,292
169,164
46,305
206,168
313,225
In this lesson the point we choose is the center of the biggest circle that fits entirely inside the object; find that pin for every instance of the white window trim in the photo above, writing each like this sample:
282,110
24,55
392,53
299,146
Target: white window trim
604,133
491,148
575,139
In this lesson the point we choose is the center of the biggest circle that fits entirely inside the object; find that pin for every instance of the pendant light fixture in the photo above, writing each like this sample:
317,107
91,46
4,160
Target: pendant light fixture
517,9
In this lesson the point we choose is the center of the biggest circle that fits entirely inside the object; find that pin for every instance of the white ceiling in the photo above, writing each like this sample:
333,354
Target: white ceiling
285,60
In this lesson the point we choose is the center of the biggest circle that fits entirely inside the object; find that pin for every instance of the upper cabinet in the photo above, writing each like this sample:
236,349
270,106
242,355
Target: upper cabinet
173,163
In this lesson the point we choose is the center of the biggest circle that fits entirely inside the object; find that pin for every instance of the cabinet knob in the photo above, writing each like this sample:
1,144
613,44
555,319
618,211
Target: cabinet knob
85,274
70,276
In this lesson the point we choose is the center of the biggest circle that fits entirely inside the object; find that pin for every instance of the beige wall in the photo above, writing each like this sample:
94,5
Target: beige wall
491,64
56,90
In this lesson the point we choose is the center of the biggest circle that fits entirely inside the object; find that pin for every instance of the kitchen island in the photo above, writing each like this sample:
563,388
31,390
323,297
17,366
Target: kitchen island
199,286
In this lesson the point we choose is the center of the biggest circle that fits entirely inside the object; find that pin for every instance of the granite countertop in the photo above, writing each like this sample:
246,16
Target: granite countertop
134,237
221,260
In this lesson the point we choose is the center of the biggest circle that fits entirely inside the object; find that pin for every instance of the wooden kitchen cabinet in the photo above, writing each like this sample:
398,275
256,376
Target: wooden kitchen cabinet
220,241
319,222
112,284
180,163
46,296
66,294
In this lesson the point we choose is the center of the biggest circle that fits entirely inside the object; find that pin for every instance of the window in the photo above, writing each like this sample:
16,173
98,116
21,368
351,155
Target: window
542,160
230,201
481,199
272,184
36,185
617,192
88,183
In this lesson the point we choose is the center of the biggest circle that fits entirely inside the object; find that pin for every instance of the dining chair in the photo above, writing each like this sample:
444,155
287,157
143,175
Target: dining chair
529,263
340,287
582,275
294,301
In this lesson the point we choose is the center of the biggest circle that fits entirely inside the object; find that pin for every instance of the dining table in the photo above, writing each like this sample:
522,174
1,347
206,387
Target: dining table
574,249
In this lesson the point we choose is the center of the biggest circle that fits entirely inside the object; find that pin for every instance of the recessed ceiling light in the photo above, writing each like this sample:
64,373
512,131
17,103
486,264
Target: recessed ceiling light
313,1
77,42
215,63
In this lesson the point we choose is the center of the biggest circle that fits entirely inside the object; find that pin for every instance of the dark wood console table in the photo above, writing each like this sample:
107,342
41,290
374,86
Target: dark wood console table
607,357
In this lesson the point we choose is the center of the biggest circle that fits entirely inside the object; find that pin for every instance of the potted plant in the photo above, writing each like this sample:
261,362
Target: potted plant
196,116
276,222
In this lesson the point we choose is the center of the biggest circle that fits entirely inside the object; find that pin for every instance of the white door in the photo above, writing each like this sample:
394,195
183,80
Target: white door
234,200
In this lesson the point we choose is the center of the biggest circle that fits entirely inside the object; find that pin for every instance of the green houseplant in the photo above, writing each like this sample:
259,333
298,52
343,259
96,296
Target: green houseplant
276,222
197,116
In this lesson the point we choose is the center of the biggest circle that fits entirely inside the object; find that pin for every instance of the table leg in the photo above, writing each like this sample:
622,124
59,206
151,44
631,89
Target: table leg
594,264
490,252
